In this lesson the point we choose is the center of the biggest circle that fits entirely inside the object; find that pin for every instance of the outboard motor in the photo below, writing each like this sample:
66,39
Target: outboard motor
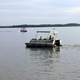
57,43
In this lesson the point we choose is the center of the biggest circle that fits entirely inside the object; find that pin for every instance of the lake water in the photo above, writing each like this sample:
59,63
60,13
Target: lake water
20,63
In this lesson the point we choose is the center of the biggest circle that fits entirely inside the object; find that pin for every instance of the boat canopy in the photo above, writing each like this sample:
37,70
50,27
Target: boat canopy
43,31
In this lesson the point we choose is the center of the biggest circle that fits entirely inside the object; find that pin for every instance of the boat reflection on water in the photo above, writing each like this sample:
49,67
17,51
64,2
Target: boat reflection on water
45,52
52,50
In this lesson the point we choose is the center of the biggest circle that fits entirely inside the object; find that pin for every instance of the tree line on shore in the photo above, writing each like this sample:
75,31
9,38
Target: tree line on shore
42,25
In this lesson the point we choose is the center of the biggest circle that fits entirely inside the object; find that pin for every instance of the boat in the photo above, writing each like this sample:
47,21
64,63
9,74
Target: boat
23,30
49,42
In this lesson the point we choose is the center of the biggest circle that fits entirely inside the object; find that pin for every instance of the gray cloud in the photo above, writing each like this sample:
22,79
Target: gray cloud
38,11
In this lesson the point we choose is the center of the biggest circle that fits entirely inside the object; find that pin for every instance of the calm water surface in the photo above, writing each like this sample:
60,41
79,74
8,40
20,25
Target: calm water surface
20,63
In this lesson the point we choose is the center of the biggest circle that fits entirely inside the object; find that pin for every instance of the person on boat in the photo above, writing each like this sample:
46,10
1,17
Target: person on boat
40,38
50,37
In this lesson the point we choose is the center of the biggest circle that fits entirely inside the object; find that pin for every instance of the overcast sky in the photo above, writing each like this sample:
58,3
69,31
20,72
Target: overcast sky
39,11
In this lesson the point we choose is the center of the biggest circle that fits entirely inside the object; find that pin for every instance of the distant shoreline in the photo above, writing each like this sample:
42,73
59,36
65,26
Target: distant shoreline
43,25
